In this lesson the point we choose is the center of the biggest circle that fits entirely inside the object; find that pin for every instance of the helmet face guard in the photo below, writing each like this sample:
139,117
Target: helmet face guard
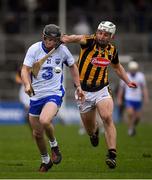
107,26
52,31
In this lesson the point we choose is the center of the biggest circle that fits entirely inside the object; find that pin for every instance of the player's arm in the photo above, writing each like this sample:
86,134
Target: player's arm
120,93
120,71
18,78
25,75
75,75
144,90
145,95
73,39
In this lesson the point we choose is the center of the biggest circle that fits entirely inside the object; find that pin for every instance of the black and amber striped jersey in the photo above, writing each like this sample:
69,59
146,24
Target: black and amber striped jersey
93,64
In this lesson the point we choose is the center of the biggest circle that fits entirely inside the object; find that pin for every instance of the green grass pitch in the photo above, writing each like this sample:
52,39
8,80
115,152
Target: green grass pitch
19,157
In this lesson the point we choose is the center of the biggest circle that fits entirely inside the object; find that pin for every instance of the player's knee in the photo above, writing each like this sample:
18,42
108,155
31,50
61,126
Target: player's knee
107,119
38,134
107,116
44,122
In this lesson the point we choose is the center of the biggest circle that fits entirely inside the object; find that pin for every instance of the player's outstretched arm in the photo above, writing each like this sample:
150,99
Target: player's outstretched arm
72,39
120,71
75,74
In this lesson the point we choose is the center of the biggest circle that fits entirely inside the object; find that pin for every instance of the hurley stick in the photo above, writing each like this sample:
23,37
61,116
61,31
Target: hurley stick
37,65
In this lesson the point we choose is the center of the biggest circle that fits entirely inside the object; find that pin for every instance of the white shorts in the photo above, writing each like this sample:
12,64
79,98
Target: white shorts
92,98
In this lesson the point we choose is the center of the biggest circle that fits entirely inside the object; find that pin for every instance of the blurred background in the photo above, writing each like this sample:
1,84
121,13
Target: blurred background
22,23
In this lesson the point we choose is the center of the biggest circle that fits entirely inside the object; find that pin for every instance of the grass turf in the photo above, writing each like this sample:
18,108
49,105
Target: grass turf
19,157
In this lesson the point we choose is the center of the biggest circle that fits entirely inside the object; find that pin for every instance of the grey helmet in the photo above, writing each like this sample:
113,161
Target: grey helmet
52,30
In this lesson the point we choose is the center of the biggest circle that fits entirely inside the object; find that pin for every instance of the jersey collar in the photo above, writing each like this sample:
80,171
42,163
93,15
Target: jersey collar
44,48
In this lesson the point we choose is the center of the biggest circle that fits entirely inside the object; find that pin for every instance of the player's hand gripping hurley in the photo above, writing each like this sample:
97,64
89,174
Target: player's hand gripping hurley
37,65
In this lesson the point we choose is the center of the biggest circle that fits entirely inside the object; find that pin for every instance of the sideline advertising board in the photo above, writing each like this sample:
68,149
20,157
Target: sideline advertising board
12,113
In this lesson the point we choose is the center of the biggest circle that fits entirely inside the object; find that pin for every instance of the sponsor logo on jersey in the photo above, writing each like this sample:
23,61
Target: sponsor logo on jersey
100,61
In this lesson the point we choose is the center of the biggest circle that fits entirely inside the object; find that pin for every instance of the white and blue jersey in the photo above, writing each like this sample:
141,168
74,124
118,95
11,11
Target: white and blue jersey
134,96
48,83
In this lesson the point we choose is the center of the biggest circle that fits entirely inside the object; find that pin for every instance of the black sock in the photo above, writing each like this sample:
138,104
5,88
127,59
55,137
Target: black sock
112,153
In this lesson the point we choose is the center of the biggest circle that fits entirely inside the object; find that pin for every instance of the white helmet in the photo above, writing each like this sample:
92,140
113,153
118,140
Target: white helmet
108,27
133,65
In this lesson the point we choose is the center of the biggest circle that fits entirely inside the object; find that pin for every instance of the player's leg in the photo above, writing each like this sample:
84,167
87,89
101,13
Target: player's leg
48,112
130,120
89,121
81,130
105,109
137,117
91,127
38,133
138,112
133,109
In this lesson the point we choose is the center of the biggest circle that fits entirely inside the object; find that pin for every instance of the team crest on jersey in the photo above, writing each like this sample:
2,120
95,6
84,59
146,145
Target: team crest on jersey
57,61
100,61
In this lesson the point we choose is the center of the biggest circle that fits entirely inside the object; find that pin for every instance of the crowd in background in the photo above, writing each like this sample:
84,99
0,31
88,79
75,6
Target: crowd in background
129,15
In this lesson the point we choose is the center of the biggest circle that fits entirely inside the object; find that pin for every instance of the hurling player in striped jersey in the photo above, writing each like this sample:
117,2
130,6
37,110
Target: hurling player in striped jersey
96,55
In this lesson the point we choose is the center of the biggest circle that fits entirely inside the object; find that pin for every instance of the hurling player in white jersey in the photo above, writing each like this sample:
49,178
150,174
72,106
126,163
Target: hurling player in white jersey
48,90
133,98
